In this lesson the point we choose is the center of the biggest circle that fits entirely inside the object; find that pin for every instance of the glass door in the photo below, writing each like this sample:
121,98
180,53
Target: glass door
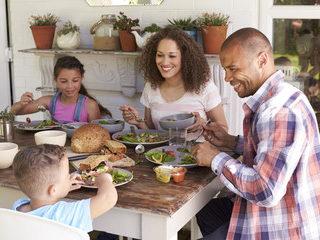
293,27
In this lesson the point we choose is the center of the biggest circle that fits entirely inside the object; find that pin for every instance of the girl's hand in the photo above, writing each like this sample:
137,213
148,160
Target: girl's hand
75,181
199,122
26,98
130,114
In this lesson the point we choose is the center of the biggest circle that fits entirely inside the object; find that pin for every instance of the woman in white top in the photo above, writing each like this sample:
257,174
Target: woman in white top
178,80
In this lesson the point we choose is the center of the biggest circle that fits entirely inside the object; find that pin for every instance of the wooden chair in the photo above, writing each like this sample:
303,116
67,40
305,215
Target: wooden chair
17,225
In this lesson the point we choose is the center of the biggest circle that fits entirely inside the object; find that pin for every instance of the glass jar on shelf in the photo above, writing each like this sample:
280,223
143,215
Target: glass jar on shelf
105,36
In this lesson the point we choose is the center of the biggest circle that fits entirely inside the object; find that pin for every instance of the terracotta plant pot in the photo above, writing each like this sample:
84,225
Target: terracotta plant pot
213,37
127,41
43,36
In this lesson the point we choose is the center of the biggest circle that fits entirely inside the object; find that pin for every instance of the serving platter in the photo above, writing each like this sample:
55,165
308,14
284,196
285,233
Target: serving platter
32,126
151,132
178,153
128,179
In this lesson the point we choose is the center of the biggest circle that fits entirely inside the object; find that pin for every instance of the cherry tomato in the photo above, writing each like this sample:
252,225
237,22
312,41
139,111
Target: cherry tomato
52,124
171,152
28,120
118,137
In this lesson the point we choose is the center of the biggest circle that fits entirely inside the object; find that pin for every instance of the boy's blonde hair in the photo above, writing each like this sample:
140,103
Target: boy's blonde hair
36,167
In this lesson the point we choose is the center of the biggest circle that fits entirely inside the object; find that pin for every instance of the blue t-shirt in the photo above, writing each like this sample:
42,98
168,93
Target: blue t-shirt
76,214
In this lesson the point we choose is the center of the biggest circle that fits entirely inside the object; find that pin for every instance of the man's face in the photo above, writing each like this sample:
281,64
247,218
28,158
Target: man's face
242,70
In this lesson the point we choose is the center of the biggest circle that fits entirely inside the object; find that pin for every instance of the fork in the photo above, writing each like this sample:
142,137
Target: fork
41,108
136,118
193,141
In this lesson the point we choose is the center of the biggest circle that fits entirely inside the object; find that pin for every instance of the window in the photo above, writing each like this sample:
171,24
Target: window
293,27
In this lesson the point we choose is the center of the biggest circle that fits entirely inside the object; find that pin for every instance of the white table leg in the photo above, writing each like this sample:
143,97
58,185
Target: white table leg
195,231
156,228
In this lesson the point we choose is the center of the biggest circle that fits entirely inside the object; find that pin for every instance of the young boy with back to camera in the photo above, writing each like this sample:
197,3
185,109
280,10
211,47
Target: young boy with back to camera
42,173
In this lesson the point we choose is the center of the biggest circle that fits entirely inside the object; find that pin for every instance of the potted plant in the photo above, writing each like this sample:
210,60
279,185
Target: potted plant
68,36
214,30
43,29
188,25
146,34
6,124
124,26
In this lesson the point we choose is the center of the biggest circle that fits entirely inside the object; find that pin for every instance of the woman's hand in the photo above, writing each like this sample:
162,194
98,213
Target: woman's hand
26,98
199,122
131,115
76,181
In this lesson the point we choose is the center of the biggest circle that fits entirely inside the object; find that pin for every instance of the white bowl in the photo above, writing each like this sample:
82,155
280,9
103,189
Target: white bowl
112,125
51,137
70,128
7,152
177,121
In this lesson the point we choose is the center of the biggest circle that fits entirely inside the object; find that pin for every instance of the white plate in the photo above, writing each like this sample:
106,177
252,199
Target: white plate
179,156
116,185
31,126
138,131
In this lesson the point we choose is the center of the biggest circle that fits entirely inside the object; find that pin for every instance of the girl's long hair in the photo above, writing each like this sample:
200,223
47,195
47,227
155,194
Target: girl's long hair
70,62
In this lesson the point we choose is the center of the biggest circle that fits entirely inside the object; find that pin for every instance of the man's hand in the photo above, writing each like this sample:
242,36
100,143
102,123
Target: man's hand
204,153
76,181
219,137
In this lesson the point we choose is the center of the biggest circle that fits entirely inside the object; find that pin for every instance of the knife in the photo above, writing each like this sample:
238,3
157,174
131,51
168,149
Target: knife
74,158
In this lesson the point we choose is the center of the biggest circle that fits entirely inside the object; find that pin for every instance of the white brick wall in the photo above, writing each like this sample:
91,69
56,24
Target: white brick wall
26,71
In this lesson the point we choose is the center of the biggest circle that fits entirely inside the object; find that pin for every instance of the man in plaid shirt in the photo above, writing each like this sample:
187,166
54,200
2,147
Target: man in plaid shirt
277,182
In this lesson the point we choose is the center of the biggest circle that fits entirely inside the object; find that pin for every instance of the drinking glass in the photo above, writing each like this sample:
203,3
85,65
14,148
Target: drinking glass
177,136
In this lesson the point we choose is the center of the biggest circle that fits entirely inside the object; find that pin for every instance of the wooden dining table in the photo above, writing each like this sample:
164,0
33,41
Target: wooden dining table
146,209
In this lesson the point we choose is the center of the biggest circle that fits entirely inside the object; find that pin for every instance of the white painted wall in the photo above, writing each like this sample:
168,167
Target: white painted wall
243,13
4,66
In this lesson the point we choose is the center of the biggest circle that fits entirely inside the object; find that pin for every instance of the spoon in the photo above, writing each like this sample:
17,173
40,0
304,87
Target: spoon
139,149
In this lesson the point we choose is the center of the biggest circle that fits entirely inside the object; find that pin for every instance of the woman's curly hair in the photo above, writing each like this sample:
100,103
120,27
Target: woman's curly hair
194,66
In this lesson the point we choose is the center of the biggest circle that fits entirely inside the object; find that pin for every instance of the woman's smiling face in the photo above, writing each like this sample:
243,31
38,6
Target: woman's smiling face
168,59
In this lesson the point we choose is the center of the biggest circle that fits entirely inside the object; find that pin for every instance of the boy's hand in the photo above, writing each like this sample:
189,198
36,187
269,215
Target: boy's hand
103,178
75,181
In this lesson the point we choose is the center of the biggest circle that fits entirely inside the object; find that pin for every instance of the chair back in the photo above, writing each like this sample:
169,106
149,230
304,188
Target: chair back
17,225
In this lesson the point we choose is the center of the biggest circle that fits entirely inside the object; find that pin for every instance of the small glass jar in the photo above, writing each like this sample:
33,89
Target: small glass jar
105,36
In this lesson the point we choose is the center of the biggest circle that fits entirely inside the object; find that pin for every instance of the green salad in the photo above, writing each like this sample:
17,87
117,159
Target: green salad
160,156
118,175
144,137
109,123
188,159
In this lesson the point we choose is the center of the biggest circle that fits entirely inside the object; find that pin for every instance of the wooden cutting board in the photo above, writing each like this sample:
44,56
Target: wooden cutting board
71,153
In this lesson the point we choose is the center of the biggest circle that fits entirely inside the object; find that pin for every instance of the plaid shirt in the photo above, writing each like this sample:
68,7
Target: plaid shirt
278,182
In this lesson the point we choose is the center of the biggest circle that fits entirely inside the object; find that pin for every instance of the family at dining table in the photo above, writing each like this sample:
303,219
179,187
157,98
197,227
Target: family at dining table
274,185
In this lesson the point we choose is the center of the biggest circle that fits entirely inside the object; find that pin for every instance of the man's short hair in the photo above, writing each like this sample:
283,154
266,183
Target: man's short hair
250,39
36,167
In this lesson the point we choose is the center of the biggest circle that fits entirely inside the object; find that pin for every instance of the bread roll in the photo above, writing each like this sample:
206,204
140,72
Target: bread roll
89,138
